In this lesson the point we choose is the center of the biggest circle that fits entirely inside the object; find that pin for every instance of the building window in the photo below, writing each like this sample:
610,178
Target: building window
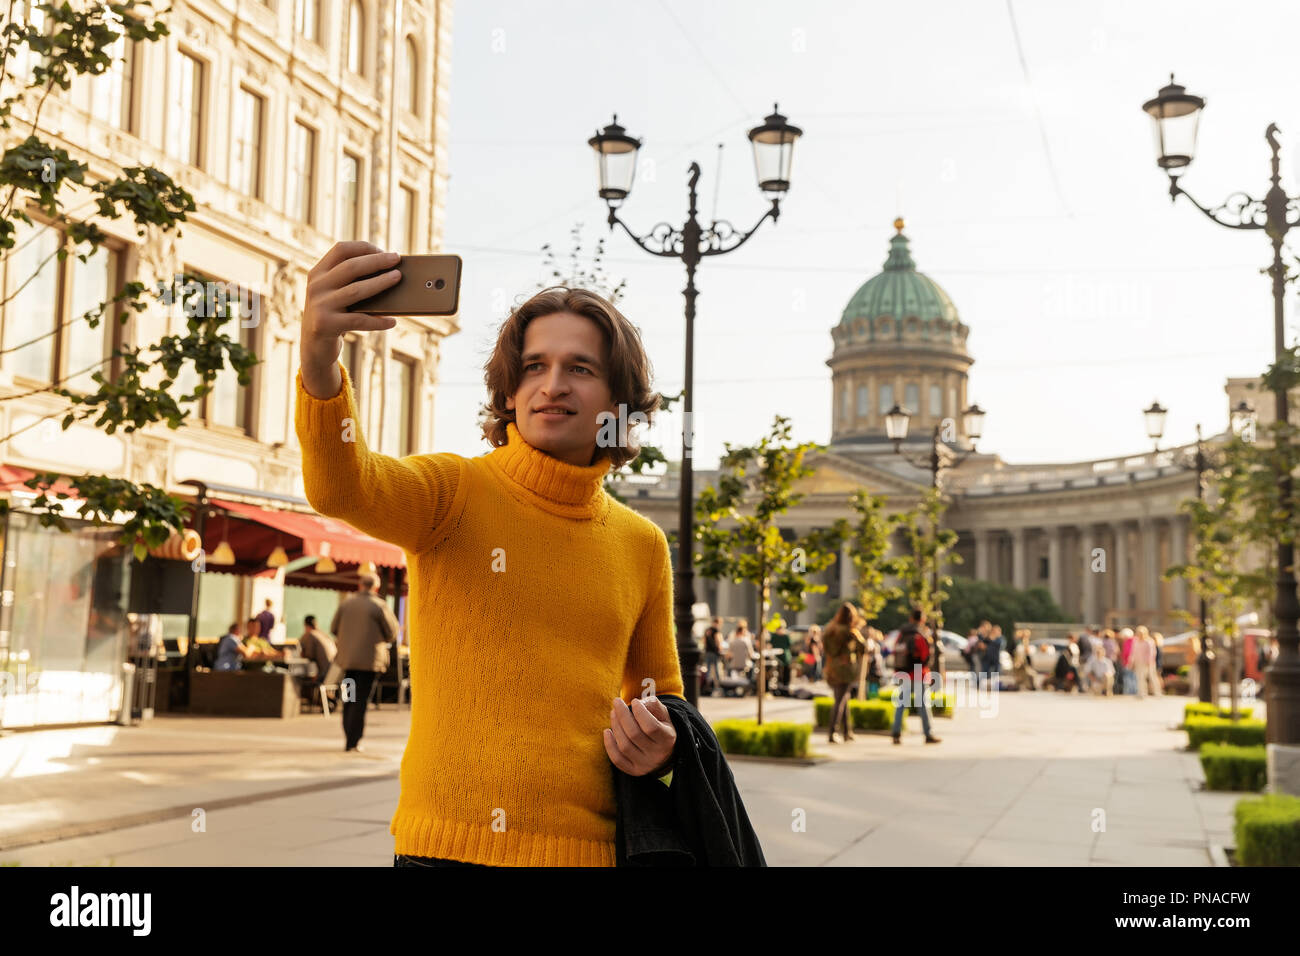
912,398
26,60
397,407
112,92
227,401
45,337
408,78
302,162
308,19
350,215
1043,569
185,121
864,400
886,398
402,233
247,166
936,402
356,38
952,401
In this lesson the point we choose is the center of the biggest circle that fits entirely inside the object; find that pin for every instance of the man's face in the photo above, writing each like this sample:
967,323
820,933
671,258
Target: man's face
563,387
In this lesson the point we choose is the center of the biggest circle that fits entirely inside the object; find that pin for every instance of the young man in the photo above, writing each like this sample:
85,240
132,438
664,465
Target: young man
914,683
536,599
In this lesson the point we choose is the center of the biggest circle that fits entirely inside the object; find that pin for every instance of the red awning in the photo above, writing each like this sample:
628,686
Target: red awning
341,542
13,476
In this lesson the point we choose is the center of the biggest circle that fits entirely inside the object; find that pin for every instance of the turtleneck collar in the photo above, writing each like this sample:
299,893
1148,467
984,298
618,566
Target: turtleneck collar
573,491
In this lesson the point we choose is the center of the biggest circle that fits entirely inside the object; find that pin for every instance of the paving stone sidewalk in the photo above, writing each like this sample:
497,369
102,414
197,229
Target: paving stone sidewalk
1049,779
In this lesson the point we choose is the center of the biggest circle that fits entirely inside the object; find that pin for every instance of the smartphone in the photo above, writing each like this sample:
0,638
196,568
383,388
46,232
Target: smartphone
430,285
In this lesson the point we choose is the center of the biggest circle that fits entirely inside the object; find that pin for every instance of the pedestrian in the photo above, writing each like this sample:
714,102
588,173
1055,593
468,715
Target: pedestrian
993,653
317,646
266,620
912,674
231,651
1127,682
513,742
1023,663
740,650
844,645
1099,676
814,647
1147,672
713,654
1085,648
875,662
364,626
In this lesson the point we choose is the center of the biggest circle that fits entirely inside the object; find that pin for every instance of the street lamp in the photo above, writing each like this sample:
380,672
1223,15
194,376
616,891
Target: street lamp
1243,420
1155,420
1207,681
897,420
1176,115
773,144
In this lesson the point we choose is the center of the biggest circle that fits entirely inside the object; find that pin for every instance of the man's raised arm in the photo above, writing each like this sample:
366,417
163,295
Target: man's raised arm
399,500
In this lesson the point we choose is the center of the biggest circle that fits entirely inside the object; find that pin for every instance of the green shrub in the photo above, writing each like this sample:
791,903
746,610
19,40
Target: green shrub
1203,730
875,714
1209,710
1228,767
1268,830
777,738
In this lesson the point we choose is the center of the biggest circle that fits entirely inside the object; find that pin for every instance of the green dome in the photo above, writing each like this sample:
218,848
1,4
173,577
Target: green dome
900,292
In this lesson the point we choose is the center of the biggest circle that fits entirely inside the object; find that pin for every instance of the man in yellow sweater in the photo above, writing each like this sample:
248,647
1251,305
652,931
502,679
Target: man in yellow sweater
541,608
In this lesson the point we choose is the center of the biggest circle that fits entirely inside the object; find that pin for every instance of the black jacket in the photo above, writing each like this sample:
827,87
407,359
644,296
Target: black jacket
699,820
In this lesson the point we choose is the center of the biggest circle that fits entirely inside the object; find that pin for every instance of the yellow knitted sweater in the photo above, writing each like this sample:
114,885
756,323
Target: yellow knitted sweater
535,600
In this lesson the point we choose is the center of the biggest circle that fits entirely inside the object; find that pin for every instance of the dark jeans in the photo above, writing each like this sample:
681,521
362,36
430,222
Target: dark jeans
400,860
354,711
840,711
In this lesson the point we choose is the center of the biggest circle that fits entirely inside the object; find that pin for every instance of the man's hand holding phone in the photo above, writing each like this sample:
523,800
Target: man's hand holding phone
349,272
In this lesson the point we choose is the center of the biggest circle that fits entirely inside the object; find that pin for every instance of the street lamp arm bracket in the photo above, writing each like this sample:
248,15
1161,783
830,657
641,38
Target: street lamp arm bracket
721,237
1238,211
663,240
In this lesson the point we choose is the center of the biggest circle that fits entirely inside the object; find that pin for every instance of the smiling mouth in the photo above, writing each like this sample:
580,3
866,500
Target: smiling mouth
556,412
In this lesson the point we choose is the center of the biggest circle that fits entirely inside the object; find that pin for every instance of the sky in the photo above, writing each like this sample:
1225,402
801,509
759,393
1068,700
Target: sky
1010,136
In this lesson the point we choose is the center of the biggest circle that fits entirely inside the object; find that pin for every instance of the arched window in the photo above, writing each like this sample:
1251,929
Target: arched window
356,38
408,78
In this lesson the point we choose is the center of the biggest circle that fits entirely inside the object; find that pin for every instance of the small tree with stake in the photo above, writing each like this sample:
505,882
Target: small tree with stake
761,479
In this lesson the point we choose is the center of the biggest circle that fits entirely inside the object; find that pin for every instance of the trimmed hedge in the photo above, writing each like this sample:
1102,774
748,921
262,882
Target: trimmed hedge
1228,767
777,738
1268,830
1199,709
1204,730
875,714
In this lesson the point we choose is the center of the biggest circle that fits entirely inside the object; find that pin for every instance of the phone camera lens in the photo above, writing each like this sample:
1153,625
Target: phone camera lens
440,283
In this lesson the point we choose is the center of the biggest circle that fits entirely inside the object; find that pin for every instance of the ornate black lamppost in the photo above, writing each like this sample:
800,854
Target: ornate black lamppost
773,144
1176,114
940,457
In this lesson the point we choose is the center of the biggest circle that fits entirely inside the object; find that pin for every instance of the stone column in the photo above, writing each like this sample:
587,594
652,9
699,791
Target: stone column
1055,580
982,565
1178,555
1019,576
1088,583
1118,565
1150,581
847,573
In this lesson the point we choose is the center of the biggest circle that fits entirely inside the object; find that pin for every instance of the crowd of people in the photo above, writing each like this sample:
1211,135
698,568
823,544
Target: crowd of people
1103,662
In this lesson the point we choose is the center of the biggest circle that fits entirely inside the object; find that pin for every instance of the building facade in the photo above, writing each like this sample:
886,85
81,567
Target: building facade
1098,535
294,124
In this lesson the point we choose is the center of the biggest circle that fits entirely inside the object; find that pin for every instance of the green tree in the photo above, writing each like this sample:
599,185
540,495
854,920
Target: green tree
755,486
969,601
61,44
1240,507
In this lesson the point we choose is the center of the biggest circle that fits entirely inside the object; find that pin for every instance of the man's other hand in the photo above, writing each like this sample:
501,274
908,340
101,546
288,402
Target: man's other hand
640,738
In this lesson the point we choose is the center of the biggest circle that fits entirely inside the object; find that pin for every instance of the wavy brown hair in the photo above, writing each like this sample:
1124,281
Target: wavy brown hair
628,366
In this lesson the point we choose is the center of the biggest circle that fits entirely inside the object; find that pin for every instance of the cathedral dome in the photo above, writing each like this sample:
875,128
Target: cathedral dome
898,341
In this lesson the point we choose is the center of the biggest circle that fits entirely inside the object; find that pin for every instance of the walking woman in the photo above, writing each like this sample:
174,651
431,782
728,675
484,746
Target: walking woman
844,645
